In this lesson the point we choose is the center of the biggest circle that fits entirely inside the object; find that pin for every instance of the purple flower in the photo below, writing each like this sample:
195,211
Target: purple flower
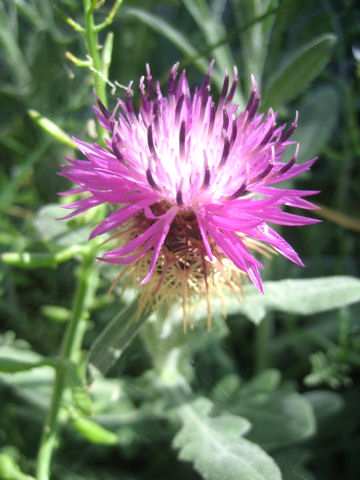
192,184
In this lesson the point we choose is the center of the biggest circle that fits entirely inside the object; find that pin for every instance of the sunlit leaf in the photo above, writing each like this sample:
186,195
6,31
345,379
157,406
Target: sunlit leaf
217,448
304,297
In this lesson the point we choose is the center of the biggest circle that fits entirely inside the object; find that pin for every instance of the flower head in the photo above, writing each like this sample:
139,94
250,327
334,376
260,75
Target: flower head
192,185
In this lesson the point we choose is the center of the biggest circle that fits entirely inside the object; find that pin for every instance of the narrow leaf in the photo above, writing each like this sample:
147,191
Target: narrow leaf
317,120
255,39
301,68
51,128
171,33
213,31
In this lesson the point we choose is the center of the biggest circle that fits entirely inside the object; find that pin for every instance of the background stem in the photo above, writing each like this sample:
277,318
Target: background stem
69,353
76,329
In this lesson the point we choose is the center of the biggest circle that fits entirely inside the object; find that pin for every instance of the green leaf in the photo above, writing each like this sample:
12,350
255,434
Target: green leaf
30,260
304,297
34,385
171,33
12,365
317,120
278,416
278,419
255,39
226,389
107,53
51,128
14,360
10,470
10,189
92,431
56,313
291,463
327,369
213,31
216,447
301,68
111,343
266,382
57,231
325,404
82,400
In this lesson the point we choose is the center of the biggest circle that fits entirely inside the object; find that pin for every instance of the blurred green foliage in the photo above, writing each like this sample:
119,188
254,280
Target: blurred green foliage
295,378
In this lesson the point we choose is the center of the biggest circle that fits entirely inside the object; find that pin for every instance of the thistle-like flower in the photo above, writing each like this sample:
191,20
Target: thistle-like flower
191,181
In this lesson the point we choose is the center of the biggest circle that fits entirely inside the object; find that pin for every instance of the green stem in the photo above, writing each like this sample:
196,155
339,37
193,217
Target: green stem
92,42
69,353
74,334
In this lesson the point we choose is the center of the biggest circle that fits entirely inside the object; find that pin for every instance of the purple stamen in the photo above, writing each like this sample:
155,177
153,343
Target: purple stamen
172,78
206,181
179,199
102,107
225,152
204,99
182,140
285,135
150,141
267,135
151,180
212,118
178,107
117,152
224,90
263,174
225,120
238,192
233,87
292,162
149,82
233,133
